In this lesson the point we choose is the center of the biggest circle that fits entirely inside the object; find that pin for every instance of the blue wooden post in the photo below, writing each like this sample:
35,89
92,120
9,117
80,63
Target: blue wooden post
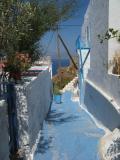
0,89
82,60
12,118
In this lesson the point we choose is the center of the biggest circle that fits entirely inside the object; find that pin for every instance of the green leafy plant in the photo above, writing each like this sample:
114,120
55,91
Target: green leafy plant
23,23
63,77
111,33
56,89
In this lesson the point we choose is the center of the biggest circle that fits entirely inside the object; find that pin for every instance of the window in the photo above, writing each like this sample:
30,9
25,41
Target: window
92,2
87,35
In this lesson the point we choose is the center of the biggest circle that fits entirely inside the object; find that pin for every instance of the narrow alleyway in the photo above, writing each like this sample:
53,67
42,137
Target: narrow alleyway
68,133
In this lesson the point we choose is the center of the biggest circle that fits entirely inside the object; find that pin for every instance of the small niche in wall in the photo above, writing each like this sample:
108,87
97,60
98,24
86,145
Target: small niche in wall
114,64
87,36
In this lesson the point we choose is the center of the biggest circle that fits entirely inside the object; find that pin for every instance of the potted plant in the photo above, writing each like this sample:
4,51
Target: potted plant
57,94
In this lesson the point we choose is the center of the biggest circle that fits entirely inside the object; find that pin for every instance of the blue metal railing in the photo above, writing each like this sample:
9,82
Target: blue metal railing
79,48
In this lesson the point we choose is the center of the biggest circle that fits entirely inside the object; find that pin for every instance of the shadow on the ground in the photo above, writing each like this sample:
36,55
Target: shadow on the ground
55,119
44,144
60,118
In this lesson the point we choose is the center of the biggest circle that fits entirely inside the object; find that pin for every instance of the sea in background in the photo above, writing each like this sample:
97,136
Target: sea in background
55,64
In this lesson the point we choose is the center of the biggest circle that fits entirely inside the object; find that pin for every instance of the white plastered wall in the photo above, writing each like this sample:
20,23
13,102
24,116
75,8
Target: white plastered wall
102,15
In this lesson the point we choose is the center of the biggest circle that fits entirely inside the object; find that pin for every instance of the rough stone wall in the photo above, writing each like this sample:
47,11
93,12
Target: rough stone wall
33,103
4,137
110,146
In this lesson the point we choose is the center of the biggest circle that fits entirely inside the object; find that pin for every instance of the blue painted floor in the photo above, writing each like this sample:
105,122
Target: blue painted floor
68,134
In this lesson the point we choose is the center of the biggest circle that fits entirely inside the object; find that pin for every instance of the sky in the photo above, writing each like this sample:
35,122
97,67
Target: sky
68,33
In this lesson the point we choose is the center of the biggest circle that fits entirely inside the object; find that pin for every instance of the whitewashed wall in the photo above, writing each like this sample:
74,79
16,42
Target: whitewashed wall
33,103
98,21
101,15
4,137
